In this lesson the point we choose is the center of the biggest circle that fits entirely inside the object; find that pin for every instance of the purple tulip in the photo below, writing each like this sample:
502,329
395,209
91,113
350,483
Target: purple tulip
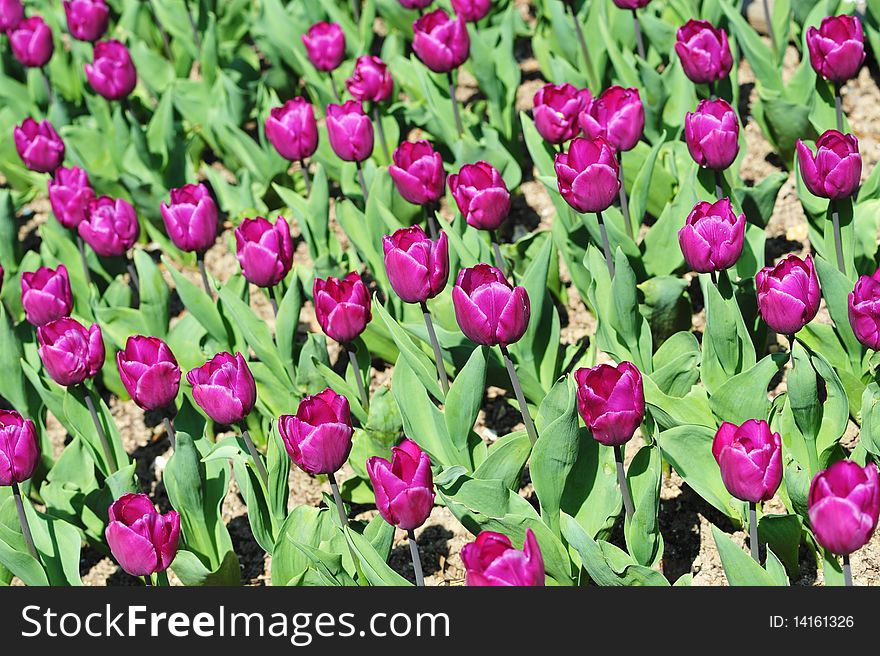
864,310
264,251
415,4
750,459
440,42
69,352
142,540
191,218
19,448
843,506
70,194
46,295
11,14
611,401
318,436
342,307
472,10
481,195
418,172
325,45
617,115
488,309
788,294
371,80
557,108
835,170
87,19
631,4
704,51
149,372
350,131
404,487
491,560
38,145
588,174
112,73
292,129
111,227
224,388
713,236
32,42
712,134
417,267
837,48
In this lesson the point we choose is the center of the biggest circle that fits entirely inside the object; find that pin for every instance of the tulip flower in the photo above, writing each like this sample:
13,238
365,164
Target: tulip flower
415,4
111,227
843,506
318,436
149,372
224,388
788,294
86,19
864,310
471,10
112,73
350,131
46,295
11,14
418,172
19,457
442,44
143,541
557,108
264,251
325,45
70,194
371,80
191,218
834,171
704,52
32,42
293,131
491,560
38,145
70,352
617,115
712,134
712,237
481,195
631,4
837,47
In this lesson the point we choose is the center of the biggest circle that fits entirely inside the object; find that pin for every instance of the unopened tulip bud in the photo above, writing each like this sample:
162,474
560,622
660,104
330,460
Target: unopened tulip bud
264,251
70,352
149,372
788,294
713,236
492,560
318,436
38,145
617,115
836,168
404,487
843,506
224,388
19,448
111,227
325,45
712,134
704,51
750,459
588,174
489,310
481,195
440,42
191,218
342,307
611,401
837,47
417,267
142,540
46,295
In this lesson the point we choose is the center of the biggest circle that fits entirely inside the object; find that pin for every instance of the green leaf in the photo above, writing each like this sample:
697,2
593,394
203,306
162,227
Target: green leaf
418,361
372,565
739,567
465,398
642,532
198,303
506,459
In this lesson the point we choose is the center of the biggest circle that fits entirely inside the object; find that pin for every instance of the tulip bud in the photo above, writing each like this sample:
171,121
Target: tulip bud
142,540
325,45
149,372
19,448
843,506
864,310
440,42
38,145
788,294
611,401
631,4
488,309
556,111
617,116
472,10
587,175
46,295
224,388
11,14
417,267
713,236
111,227
404,487
491,560
70,194
418,172
481,195
371,80
32,42
415,4
264,251
750,459
837,48
350,131
191,218
69,352
704,51
86,19
318,436
712,134
342,307
112,73
835,170
292,129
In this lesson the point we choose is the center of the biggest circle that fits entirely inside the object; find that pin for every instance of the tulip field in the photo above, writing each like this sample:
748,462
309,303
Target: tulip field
439,292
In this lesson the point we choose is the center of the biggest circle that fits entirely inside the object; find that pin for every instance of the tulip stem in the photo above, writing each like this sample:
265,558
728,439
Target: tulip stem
416,559
206,282
520,397
770,31
306,177
812,454
719,184
499,259
252,449
195,29
377,119
22,519
621,482
609,259
838,241
360,171
273,299
753,532
356,370
452,99
85,262
838,109
591,73
169,430
165,42
438,354
431,220
334,488
624,203
714,276
356,10
105,444
333,86
48,89
712,94
847,572
640,42
133,277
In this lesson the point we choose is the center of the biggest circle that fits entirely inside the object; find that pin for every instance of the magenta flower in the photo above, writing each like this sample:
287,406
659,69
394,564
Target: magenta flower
111,227
46,295
112,73
404,487
557,108
318,436
418,172
11,14
417,267
325,45
788,294
142,540
712,134
19,448
864,310
617,115
149,372
481,195
86,19
440,42
342,307
70,194
491,560
264,251
488,309
843,506
611,401
224,388
836,168
191,218
38,145
32,42
587,175
69,351
750,459
837,48
704,51
371,80
472,10
631,4
713,236
350,131
292,129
